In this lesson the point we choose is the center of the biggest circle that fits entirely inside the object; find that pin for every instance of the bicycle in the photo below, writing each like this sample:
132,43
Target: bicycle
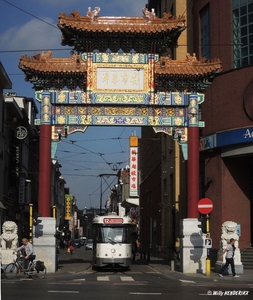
16,269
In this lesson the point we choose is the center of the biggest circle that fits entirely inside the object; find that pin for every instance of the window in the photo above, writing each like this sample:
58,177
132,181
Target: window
113,234
205,32
242,28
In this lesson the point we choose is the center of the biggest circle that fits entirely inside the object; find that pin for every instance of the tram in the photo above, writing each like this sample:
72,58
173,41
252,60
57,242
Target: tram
112,241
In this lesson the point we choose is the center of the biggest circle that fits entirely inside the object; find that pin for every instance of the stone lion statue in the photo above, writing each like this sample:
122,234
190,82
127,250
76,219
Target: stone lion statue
229,231
9,237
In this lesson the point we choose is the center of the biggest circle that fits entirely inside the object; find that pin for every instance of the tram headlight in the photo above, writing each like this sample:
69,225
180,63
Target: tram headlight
113,250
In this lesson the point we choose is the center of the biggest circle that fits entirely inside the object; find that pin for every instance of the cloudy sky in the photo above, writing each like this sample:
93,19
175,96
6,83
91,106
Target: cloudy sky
29,26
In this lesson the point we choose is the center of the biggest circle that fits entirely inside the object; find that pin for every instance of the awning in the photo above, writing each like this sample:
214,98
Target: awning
130,202
2,206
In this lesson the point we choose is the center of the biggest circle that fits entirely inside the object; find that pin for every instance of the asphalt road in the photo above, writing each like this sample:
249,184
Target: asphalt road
142,282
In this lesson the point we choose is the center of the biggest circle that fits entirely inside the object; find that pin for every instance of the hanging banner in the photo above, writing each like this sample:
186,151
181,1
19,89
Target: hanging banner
68,206
133,167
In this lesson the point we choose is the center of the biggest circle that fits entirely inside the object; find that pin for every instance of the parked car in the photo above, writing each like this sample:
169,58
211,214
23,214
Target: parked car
82,240
77,243
89,244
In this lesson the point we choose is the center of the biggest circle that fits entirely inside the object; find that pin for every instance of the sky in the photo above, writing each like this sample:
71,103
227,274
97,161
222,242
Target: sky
28,27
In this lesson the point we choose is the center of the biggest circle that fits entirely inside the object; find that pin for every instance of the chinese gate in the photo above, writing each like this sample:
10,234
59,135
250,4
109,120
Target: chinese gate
118,75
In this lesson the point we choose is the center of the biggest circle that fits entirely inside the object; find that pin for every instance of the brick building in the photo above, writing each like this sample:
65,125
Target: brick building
226,144
215,29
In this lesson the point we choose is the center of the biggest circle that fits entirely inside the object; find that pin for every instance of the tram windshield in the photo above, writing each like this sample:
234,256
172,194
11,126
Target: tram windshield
113,234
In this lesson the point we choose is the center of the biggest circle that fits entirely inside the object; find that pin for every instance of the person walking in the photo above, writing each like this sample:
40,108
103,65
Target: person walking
230,253
71,246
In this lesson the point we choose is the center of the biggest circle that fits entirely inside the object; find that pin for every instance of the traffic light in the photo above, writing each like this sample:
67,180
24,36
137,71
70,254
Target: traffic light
203,224
36,221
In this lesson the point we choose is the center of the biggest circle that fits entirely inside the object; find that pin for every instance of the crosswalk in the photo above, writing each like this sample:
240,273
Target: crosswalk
108,278
113,279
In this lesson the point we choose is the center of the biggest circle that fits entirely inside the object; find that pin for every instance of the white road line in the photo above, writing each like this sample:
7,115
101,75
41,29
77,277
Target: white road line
67,292
103,278
126,278
136,283
80,279
187,281
152,294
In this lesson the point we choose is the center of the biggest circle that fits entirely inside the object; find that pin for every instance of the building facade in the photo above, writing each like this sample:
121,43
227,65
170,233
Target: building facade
162,159
215,29
225,31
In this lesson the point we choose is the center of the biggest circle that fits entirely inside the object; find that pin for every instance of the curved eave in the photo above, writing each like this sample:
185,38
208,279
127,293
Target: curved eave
76,31
186,69
53,65
119,24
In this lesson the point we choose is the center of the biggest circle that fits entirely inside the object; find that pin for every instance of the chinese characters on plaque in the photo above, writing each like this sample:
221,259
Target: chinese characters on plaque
120,79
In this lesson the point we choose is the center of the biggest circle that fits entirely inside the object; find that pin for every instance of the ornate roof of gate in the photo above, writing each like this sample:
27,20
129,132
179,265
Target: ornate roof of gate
120,32
45,71
191,66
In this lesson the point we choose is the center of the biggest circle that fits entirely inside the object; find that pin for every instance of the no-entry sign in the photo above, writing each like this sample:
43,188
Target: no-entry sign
205,206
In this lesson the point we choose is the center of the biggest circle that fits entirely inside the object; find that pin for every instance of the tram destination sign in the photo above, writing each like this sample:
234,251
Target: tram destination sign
113,221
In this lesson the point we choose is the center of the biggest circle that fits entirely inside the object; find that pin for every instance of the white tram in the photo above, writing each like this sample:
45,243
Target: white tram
112,241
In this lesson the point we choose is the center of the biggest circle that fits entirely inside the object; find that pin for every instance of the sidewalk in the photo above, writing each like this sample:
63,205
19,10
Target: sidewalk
163,266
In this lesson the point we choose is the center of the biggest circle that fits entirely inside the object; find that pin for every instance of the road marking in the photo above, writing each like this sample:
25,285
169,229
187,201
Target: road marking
187,281
103,278
80,279
152,294
126,278
128,283
67,292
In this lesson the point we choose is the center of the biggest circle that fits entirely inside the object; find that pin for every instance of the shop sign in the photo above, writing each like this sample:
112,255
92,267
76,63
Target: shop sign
21,133
133,171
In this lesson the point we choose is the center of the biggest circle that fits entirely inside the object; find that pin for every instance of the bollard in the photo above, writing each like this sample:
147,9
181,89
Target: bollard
148,256
208,267
172,265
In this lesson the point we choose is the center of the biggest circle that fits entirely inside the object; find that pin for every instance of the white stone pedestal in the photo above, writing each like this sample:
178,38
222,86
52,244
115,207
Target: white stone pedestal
192,252
44,243
7,256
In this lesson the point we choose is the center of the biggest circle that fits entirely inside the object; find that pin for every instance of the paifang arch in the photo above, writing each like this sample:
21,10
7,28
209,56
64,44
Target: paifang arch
119,74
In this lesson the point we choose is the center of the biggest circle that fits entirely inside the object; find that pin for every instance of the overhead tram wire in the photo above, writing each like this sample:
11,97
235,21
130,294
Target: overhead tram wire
96,153
26,12
35,50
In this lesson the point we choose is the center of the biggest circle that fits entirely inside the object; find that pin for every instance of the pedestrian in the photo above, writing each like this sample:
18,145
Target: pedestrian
29,252
230,253
135,246
71,246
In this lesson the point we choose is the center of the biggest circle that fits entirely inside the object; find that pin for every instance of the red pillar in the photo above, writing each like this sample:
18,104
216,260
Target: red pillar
193,160
44,201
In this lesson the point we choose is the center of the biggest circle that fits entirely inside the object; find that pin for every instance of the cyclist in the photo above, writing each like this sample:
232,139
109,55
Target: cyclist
29,252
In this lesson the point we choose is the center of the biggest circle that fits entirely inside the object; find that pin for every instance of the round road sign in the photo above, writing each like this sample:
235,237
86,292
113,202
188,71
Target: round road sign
205,206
